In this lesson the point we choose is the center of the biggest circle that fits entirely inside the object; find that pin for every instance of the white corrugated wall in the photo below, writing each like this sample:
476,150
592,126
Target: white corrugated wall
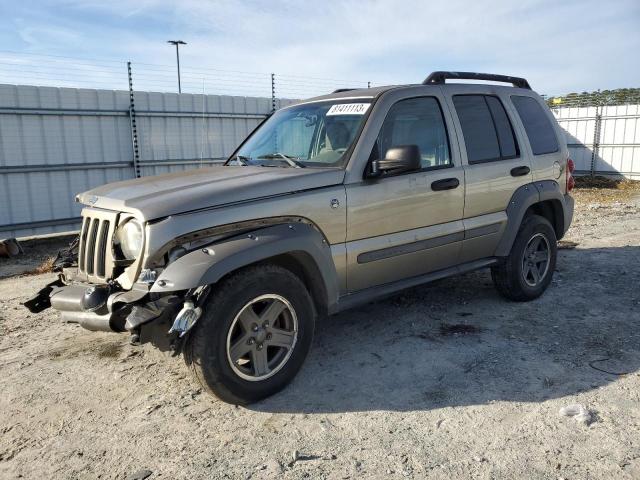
56,142
603,140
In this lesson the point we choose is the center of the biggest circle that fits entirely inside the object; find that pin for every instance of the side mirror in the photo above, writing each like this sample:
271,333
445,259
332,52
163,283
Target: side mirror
400,159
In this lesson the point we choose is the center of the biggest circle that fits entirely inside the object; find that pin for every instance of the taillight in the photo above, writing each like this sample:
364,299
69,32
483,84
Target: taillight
569,170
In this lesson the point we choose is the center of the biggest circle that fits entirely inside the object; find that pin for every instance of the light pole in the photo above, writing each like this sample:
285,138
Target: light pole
177,43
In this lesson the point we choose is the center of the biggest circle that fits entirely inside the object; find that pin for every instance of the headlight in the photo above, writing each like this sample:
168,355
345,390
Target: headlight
128,239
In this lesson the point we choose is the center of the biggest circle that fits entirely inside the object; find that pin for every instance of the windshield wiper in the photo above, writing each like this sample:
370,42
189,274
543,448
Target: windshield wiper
292,161
241,159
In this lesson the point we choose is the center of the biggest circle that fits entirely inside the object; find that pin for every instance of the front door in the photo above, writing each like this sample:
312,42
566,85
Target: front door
406,225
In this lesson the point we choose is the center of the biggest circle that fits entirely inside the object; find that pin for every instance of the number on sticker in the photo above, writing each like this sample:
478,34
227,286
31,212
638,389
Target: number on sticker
348,109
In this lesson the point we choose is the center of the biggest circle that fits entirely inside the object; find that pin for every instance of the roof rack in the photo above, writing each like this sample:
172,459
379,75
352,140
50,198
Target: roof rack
438,78
338,90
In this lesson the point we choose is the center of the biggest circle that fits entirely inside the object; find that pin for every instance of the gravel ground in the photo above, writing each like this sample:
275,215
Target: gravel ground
442,381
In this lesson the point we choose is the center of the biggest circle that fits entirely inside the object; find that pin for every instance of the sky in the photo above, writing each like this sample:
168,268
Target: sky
559,46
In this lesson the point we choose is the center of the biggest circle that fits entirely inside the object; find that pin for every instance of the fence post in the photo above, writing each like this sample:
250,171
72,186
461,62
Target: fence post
132,126
273,92
596,140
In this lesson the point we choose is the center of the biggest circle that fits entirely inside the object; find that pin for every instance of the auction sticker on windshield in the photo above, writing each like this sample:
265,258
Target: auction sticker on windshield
348,109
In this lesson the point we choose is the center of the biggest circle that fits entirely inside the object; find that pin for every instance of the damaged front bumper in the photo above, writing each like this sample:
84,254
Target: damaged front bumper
102,307
150,317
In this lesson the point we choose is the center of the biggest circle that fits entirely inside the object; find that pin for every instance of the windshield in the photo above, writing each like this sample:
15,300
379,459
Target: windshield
307,135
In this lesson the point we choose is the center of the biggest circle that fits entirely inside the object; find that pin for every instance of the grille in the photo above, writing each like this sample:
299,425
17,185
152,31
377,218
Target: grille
94,252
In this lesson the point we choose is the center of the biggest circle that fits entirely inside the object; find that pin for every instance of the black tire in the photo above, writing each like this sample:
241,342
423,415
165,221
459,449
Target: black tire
206,346
512,276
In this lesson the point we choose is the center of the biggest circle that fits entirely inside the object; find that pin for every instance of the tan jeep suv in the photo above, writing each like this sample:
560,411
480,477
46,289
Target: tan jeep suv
329,203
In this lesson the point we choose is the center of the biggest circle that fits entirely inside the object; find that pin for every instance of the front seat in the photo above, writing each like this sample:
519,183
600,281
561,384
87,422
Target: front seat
336,142
337,135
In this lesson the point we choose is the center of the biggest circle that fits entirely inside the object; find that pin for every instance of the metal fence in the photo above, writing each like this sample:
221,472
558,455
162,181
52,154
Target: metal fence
56,142
602,131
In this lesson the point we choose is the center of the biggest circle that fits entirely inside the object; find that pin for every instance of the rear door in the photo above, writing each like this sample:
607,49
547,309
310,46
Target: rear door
543,134
409,224
495,164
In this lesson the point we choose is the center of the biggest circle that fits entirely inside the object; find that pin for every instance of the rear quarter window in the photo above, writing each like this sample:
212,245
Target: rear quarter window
540,132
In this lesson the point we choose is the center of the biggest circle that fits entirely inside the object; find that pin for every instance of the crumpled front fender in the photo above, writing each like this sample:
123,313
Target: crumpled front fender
207,265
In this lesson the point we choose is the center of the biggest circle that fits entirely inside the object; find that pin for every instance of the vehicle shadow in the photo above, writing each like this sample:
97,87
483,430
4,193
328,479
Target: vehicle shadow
588,159
456,342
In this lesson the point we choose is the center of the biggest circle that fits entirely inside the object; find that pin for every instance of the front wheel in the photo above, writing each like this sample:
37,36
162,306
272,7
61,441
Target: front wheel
254,334
526,273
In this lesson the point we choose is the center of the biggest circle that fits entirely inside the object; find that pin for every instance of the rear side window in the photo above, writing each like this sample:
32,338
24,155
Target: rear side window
540,132
487,131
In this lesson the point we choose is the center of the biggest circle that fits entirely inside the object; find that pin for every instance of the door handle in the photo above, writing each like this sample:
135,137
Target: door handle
520,171
445,184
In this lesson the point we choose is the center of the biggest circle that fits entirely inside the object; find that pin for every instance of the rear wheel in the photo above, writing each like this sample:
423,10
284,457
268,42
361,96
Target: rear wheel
254,335
526,273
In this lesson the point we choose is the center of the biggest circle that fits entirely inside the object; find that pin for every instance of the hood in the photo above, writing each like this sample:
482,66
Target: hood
163,195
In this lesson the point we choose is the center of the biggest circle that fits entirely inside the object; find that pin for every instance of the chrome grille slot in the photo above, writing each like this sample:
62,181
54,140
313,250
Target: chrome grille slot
95,259
83,243
102,248
91,245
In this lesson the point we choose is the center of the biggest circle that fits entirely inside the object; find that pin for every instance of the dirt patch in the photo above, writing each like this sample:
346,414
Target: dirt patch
37,258
567,244
606,190
44,267
110,348
604,182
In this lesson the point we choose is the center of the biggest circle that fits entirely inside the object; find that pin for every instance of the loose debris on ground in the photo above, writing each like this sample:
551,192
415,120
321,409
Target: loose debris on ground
578,412
38,257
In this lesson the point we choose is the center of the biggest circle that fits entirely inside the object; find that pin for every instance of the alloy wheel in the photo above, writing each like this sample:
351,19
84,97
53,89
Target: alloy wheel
535,259
262,337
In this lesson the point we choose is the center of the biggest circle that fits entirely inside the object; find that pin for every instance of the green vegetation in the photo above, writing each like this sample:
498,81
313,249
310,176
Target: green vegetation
620,96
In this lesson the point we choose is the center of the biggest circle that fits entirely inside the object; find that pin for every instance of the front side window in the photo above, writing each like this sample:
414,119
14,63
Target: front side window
307,135
415,121
537,125
488,134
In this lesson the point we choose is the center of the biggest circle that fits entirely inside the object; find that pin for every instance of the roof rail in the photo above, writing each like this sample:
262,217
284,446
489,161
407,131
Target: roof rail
438,78
338,90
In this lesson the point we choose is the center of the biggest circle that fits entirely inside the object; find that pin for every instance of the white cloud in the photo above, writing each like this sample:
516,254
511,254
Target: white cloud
42,35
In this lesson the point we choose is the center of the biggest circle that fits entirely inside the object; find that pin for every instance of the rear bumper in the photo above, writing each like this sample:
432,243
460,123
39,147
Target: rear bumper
569,204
